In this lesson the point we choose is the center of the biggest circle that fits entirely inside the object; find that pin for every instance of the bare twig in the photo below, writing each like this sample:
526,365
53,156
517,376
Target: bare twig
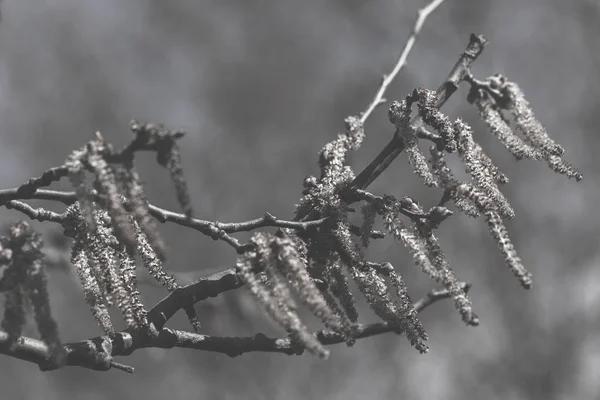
38,214
214,229
422,15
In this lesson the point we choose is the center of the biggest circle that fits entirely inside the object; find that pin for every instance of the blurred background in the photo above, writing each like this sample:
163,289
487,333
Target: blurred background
260,87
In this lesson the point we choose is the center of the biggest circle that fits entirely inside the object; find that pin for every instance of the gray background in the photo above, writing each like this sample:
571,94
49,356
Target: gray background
260,87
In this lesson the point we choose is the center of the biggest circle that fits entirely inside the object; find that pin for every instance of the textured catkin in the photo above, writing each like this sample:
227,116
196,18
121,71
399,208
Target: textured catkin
273,293
103,257
170,158
527,123
417,160
563,167
448,278
434,118
490,114
338,282
377,294
399,115
288,262
415,244
324,194
155,267
151,261
93,295
107,186
133,189
498,230
537,144
288,315
447,180
37,288
14,313
409,320
373,286
482,178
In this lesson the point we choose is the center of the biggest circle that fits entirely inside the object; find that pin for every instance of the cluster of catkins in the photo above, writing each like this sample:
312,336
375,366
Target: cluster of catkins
111,223
318,263
24,284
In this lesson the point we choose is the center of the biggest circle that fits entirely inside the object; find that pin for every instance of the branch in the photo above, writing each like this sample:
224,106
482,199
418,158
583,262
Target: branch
214,229
38,214
188,295
446,89
97,353
422,15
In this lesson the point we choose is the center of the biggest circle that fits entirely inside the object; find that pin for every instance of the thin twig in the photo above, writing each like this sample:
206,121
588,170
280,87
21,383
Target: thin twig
214,229
38,214
422,15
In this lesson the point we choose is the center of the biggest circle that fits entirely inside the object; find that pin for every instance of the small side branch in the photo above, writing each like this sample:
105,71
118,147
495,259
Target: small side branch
197,291
378,99
214,229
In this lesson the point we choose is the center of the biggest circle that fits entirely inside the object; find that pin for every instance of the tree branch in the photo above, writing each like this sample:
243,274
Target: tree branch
214,229
97,353
378,99
446,89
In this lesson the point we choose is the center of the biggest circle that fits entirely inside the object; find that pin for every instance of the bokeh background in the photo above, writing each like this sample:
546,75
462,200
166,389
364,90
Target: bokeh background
260,87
